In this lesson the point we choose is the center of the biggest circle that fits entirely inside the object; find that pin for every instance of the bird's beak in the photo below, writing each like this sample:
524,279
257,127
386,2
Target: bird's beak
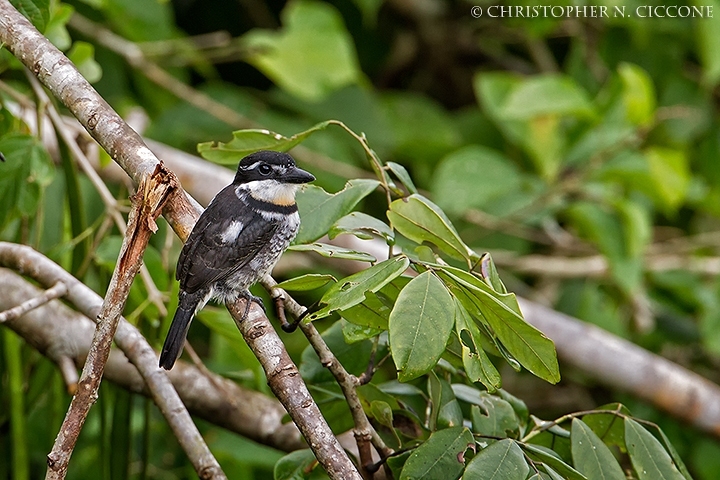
298,175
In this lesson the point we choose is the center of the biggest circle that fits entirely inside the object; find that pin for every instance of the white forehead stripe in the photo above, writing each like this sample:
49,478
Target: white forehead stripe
232,231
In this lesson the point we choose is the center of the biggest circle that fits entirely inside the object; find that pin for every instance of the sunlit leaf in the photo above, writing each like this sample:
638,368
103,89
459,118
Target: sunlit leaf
638,94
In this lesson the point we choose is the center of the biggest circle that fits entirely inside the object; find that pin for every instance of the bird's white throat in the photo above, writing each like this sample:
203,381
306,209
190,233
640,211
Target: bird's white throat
271,191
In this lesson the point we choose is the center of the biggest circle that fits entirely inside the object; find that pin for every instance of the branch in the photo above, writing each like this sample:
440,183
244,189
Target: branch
64,335
287,385
127,148
56,291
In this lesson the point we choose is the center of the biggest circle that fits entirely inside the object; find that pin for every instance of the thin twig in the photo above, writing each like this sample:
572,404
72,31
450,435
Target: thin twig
56,291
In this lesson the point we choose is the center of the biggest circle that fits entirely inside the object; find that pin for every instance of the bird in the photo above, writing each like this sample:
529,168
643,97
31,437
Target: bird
236,241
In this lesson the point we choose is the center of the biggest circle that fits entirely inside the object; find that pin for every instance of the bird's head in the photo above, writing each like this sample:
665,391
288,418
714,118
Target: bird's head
271,177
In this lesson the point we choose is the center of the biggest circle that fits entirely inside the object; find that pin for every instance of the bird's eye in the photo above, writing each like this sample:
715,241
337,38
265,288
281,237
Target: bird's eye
264,169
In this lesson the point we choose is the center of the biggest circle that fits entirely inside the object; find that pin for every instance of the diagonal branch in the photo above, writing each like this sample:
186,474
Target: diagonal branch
56,291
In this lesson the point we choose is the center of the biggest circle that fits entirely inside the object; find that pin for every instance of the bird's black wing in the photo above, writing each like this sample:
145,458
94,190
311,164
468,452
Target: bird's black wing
207,257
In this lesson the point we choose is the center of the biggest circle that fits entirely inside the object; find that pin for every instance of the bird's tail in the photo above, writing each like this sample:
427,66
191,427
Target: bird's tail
175,340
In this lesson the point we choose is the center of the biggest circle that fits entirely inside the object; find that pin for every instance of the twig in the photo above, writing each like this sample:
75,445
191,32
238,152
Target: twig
110,202
56,291
364,431
64,336
287,385
147,205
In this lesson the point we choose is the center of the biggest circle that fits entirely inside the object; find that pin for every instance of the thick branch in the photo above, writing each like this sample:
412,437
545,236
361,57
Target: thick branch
64,336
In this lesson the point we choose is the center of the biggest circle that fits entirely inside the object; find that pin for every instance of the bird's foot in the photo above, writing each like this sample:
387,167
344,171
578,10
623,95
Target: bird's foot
249,298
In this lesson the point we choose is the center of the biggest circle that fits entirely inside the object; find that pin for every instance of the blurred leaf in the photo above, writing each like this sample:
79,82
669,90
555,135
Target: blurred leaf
26,171
708,37
369,9
353,333
37,11
501,460
311,56
649,459
590,455
82,54
141,20
245,142
306,282
351,290
319,210
362,226
56,30
472,177
670,173
419,326
543,95
638,94
333,251
420,220
354,357
441,456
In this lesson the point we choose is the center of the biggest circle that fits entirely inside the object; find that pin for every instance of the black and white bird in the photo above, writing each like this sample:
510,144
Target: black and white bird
237,240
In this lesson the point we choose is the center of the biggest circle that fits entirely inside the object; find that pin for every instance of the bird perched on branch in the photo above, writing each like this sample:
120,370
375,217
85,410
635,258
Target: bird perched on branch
237,240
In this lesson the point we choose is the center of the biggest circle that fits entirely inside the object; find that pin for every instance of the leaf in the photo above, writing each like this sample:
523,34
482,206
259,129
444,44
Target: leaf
420,325
248,141
638,94
445,410
420,220
37,11
441,456
473,177
478,366
548,456
542,95
490,275
298,465
306,282
670,174
311,56
591,456
502,460
402,174
351,290
82,54
708,37
356,333
374,311
649,459
528,345
362,226
333,251
319,210
609,426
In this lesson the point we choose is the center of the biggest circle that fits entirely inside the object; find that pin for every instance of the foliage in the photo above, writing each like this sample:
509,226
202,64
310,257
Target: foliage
526,139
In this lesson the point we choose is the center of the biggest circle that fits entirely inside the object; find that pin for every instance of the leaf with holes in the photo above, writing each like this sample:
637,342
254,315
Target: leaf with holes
502,460
351,290
333,251
441,456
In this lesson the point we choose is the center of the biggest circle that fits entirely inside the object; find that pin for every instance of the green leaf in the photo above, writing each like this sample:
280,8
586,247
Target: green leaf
26,171
490,275
420,325
248,141
590,455
56,30
333,251
319,210
708,37
670,174
351,290
477,364
542,95
374,311
309,281
37,11
362,226
609,426
445,410
82,54
441,456
550,457
528,345
356,333
311,56
649,459
502,460
473,177
638,94
402,174
298,465
420,220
